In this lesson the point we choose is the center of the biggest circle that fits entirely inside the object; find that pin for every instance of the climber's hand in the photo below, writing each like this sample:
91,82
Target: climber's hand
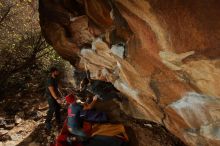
95,98
59,101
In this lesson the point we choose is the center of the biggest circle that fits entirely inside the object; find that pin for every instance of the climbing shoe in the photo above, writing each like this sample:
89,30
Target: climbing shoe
48,126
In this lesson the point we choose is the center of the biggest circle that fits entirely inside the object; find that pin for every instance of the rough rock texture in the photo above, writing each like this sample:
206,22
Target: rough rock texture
163,55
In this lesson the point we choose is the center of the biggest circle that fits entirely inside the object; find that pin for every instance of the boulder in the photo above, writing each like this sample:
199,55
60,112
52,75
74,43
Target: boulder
164,56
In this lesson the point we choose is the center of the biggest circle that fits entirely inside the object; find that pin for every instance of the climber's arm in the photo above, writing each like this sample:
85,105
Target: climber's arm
52,92
91,105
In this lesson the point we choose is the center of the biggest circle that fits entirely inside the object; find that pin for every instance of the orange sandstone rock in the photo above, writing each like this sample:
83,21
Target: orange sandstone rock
163,55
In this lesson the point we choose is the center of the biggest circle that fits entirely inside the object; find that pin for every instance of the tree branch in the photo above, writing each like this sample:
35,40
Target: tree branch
38,57
5,14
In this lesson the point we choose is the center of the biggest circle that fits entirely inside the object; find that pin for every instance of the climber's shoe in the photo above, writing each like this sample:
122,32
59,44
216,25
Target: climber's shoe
48,126
59,127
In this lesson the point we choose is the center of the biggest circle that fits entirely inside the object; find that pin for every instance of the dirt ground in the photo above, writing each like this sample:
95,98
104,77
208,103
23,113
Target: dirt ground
22,124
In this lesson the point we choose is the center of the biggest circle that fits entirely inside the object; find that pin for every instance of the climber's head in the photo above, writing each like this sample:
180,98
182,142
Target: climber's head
70,99
54,71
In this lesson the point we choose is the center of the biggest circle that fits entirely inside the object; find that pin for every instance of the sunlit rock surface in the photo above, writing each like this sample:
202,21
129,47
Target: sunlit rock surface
163,55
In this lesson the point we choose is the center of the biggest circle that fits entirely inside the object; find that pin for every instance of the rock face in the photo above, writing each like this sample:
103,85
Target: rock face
163,55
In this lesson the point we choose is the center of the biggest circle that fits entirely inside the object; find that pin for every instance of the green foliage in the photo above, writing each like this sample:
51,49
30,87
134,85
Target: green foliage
25,56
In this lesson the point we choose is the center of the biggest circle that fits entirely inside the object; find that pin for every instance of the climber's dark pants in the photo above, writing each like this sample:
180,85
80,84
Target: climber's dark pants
54,107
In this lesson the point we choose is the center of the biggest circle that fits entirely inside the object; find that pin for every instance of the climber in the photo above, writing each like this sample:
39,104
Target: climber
74,122
53,98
